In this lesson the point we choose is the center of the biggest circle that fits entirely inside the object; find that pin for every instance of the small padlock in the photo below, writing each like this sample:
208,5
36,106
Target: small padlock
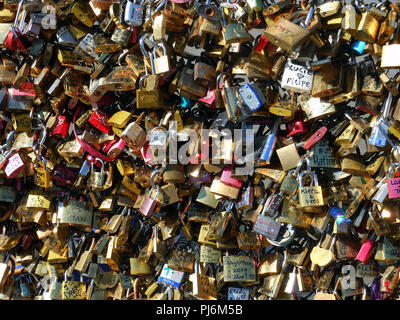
149,204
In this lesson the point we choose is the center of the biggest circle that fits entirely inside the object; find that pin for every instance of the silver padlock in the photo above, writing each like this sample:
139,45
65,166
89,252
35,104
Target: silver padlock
382,192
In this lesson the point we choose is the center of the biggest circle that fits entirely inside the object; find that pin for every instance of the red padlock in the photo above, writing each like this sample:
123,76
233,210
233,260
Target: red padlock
16,40
62,127
167,76
297,126
133,39
317,135
99,120
262,43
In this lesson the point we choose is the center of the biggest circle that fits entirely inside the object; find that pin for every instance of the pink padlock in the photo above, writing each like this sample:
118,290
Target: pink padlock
14,166
393,183
366,249
209,99
116,149
226,178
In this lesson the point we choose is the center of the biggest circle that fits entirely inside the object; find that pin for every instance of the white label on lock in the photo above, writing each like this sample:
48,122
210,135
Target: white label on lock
297,78
171,277
238,294
14,165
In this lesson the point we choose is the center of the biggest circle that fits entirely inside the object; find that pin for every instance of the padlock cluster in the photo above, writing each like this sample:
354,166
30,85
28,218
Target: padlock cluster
199,150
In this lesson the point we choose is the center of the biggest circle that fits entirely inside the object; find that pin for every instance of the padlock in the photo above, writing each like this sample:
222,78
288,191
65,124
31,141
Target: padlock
149,204
310,196
134,13
393,190
270,142
252,96
96,179
73,290
229,98
161,63
285,34
99,120
187,84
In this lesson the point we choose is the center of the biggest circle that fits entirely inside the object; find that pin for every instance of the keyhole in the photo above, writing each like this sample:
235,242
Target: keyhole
209,12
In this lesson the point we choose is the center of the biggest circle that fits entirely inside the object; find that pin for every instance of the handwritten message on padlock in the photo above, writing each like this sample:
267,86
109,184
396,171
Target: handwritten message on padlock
75,213
14,166
297,78
204,287
73,290
310,196
238,268
238,294
322,156
209,254
39,199
393,183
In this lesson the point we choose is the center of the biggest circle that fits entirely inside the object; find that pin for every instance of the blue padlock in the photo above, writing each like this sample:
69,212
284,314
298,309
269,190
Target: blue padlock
252,96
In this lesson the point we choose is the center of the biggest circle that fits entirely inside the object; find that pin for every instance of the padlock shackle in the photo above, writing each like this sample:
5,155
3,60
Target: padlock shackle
309,15
162,4
18,13
310,174
141,85
153,68
159,44
8,140
394,165
142,44
219,77
153,174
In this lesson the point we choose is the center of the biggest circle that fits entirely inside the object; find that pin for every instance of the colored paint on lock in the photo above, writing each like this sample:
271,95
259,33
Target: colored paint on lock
338,214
